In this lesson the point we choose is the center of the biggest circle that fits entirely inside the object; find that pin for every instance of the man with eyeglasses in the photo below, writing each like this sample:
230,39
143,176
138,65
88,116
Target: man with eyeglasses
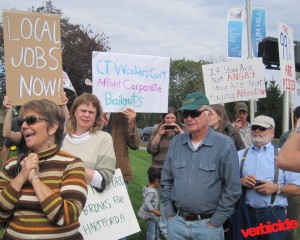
200,177
267,187
240,123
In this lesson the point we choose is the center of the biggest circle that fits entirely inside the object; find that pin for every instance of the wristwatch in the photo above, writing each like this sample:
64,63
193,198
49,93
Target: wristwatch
297,129
279,189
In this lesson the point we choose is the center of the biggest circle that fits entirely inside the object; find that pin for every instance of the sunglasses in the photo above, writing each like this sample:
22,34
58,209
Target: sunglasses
32,119
192,114
255,127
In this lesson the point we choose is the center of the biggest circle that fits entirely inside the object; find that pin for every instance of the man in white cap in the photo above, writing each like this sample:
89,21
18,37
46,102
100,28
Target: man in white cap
267,186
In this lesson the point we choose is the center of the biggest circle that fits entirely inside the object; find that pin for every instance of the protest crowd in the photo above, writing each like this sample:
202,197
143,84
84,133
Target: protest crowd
210,177
201,179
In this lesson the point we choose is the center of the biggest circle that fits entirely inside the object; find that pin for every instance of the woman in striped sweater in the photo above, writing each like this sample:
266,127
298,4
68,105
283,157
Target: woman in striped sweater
43,193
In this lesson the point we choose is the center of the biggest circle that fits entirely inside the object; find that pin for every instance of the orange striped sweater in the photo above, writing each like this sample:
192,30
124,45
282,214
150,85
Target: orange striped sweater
57,216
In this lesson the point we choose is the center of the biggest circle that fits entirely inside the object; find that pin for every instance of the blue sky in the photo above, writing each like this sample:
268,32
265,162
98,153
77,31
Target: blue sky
189,29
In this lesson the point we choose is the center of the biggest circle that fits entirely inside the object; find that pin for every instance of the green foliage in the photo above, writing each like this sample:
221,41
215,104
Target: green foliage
272,106
185,77
78,43
140,160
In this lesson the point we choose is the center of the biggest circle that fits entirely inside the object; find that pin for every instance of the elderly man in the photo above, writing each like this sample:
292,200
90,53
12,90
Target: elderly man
200,177
267,186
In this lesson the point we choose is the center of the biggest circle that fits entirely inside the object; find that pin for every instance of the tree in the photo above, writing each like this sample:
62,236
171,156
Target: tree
185,77
78,43
272,106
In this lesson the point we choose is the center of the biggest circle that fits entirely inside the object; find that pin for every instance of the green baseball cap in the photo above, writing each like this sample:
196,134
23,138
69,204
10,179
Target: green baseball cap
193,101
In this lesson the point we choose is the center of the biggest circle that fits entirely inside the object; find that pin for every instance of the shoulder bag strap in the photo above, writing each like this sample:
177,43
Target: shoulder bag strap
276,172
243,161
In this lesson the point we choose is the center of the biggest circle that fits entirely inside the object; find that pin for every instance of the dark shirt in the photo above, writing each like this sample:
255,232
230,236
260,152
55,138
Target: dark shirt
21,147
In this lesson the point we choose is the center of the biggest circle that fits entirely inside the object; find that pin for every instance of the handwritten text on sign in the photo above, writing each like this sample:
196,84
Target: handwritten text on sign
287,57
234,81
109,213
136,81
32,56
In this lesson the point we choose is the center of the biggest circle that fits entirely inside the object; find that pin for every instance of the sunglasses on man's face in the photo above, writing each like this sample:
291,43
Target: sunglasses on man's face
192,114
260,128
32,119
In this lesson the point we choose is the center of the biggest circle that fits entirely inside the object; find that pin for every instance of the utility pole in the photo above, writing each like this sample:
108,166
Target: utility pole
250,54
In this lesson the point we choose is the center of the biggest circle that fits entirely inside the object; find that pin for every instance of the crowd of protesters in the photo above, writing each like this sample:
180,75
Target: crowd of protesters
201,171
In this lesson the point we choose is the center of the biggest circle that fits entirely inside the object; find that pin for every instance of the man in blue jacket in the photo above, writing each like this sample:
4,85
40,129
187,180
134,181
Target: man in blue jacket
200,177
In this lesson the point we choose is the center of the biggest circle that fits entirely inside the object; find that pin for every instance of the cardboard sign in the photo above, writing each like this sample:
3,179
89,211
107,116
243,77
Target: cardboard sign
32,48
136,81
234,81
108,215
287,57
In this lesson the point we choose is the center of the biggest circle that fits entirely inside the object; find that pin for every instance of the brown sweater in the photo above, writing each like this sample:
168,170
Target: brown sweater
159,151
57,216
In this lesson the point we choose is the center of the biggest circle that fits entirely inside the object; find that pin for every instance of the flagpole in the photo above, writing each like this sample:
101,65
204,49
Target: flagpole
250,54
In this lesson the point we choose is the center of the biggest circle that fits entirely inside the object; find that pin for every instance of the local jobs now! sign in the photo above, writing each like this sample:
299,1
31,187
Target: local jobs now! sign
32,48
108,215
234,81
127,80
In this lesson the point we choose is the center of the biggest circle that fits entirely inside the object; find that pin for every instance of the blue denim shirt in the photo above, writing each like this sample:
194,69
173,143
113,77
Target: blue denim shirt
201,181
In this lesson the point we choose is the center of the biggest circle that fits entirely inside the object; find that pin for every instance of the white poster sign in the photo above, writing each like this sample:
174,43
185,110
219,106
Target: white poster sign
286,57
136,81
234,81
108,215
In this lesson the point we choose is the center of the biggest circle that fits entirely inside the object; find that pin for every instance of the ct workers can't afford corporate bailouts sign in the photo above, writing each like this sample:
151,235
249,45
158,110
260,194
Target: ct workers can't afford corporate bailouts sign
108,215
128,80
33,61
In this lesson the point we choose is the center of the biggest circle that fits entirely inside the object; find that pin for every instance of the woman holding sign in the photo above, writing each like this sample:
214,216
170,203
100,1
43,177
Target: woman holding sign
85,139
42,193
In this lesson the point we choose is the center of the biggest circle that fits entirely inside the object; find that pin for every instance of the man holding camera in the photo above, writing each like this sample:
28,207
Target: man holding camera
267,186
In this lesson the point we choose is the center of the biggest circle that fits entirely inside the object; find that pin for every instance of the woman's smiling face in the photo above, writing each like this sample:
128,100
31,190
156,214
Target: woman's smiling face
36,134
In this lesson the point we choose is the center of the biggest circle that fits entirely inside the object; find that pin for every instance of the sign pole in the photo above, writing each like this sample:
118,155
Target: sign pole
286,111
250,54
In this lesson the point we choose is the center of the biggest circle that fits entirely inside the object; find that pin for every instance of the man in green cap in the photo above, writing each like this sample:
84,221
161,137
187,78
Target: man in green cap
241,124
200,177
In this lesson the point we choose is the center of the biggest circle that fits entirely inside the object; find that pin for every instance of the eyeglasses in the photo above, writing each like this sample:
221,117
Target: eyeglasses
32,119
192,114
260,128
